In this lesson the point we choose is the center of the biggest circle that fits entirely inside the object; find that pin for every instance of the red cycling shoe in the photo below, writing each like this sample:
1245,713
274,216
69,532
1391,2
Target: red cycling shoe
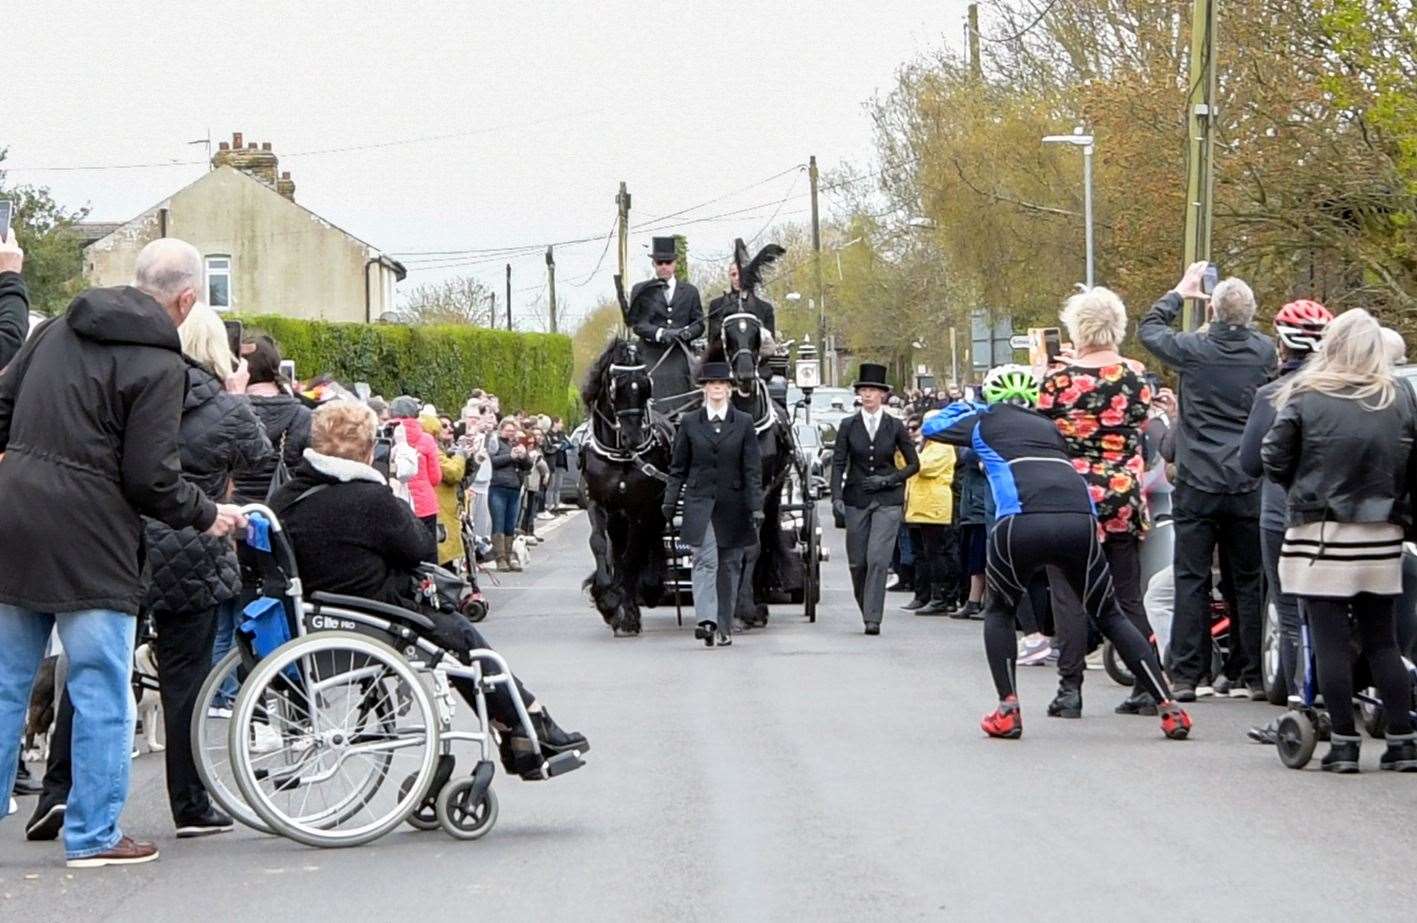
1005,721
1175,723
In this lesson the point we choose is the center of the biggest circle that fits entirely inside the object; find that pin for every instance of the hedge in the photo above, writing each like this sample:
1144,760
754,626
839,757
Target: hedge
442,364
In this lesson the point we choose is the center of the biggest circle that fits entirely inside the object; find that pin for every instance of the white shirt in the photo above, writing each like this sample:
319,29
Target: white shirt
669,290
716,415
872,421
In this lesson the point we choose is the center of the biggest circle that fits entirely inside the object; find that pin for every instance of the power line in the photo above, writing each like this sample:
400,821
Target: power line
1025,30
600,262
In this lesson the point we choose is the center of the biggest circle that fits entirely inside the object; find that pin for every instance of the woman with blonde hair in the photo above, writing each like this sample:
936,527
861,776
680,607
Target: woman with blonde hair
1100,400
1341,446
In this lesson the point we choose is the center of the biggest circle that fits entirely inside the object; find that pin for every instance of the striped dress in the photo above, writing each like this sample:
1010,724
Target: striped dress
1341,559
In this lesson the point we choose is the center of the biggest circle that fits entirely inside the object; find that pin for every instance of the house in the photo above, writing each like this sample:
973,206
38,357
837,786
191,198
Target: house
264,253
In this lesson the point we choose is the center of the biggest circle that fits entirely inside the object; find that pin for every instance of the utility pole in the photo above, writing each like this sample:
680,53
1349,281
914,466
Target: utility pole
493,322
1200,121
976,66
817,269
622,205
509,296
551,284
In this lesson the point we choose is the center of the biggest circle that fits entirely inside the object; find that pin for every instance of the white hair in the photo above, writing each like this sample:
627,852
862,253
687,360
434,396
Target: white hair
203,337
167,267
1095,318
1395,345
1234,302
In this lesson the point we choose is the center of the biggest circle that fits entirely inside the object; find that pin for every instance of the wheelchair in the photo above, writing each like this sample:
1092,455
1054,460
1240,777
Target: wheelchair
342,728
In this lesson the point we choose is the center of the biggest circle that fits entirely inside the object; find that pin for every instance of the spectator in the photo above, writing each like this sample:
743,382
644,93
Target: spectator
1300,326
538,476
1395,345
1099,401
1215,501
404,411
929,510
973,531
1342,447
452,465
509,462
557,448
98,392
284,416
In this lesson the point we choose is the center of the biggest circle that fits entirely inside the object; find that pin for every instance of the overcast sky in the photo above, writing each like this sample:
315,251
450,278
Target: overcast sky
702,108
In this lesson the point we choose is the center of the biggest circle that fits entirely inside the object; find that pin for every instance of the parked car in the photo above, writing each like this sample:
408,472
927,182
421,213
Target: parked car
572,490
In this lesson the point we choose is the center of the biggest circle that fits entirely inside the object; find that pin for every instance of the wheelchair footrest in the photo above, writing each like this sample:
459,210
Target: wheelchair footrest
562,763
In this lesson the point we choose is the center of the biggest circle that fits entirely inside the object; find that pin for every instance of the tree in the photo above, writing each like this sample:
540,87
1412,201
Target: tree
460,300
591,336
53,261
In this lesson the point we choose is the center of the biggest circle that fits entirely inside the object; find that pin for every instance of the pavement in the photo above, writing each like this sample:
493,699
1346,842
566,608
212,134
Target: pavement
806,773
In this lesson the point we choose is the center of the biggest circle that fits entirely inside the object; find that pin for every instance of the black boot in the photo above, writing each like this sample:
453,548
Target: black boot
1342,754
916,603
705,633
1401,753
516,751
1067,703
969,610
1140,702
26,784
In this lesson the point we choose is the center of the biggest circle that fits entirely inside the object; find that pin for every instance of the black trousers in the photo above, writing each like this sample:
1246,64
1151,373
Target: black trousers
1019,547
936,562
1204,522
184,658
456,634
1123,553
1332,631
1287,606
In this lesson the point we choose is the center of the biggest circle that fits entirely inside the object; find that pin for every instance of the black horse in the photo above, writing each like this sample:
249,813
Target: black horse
776,569
623,461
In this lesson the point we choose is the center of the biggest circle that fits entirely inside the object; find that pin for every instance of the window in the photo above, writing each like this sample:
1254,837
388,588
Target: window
219,281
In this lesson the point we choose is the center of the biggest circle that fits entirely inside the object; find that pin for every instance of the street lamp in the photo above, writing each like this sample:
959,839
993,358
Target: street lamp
1084,141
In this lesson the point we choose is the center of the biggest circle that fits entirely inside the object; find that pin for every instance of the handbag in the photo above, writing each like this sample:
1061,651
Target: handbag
281,474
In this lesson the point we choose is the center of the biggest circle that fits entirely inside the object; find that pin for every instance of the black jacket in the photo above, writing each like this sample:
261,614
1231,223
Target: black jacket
89,414
1272,495
189,571
653,320
1342,463
869,457
282,416
14,315
1221,370
721,476
353,536
727,304
506,470
557,444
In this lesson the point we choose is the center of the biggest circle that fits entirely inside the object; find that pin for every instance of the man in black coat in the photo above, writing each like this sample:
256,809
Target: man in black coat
718,467
89,413
868,490
667,315
735,301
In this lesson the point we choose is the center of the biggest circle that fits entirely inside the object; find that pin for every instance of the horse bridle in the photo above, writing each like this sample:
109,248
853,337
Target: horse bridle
742,317
619,452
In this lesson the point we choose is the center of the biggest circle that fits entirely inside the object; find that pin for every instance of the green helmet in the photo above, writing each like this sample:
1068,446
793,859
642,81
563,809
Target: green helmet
1013,384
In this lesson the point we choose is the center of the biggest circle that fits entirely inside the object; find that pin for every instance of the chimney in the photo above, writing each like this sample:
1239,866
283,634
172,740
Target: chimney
255,160
236,140
286,186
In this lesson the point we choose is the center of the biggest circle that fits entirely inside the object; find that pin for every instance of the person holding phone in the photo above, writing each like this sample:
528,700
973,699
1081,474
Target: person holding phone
1216,502
14,295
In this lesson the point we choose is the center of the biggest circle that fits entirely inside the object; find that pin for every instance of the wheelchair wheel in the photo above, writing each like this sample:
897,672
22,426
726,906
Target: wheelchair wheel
460,816
425,816
1297,739
210,752
1116,669
349,715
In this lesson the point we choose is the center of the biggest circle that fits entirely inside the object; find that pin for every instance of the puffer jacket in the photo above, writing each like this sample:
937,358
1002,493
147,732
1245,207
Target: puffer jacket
430,475
1342,463
929,499
1272,496
219,434
283,416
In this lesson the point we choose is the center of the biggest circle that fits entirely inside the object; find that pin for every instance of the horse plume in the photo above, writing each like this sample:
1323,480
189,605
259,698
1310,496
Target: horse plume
750,271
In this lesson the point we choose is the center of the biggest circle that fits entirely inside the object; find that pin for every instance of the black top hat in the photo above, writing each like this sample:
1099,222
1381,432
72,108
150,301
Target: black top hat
664,248
714,371
871,376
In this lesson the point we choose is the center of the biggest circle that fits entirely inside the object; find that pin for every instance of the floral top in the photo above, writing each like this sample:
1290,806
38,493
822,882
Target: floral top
1100,412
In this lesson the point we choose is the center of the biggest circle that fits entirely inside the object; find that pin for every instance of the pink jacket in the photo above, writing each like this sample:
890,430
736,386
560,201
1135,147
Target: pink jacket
430,475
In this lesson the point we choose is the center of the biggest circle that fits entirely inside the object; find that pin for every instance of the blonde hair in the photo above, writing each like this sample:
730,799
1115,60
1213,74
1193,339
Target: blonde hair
1095,317
203,337
344,429
1351,364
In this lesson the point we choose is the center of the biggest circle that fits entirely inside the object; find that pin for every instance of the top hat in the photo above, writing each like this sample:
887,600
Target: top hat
664,248
871,376
714,371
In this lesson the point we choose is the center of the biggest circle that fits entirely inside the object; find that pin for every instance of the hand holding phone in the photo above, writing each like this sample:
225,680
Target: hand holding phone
12,258
1210,278
6,212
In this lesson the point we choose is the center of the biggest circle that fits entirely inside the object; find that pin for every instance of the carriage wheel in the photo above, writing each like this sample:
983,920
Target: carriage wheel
812,579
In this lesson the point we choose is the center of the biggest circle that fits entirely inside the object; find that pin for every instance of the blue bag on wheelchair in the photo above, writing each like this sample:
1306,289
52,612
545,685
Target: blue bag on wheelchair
265,624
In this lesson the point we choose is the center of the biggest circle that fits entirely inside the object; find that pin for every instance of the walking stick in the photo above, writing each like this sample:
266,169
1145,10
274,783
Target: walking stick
674,548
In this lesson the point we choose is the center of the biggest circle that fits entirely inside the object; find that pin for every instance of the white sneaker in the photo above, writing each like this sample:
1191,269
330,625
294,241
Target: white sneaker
545,517
1035,651
265,739
219,713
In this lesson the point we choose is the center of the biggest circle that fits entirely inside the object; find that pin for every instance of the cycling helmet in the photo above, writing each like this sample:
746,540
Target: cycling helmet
1301,324
1014,384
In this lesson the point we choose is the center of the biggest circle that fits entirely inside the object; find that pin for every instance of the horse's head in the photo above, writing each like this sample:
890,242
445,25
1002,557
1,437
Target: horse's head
629,391
742,342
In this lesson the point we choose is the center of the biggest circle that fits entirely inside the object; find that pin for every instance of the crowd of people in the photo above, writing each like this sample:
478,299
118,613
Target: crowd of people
130,420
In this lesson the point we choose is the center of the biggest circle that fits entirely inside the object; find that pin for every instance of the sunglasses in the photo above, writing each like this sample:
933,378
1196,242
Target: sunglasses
664,262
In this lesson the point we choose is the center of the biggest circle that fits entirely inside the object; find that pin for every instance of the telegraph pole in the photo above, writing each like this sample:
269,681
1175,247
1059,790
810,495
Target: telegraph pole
976,66
1200,121
551,284
817,271
622,205
493,322
509,296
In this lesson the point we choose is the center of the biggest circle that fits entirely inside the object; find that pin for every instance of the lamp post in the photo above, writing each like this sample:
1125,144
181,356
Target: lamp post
1084,141
808,373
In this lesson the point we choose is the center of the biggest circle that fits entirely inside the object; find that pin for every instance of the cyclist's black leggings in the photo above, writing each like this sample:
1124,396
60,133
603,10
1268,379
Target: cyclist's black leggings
1018,547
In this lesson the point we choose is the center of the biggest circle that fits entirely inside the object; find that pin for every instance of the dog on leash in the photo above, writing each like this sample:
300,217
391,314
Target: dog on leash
145,680
44,705
521,551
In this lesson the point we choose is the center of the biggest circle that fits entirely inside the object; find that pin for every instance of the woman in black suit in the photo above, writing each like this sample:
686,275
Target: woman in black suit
718,467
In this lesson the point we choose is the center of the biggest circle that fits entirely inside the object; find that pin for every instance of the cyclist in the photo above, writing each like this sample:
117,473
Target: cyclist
1044,517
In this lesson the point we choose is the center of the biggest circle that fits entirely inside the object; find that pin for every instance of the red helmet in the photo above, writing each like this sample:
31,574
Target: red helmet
1301,324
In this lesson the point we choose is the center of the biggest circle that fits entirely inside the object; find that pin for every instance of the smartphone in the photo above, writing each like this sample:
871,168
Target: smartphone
1209,278
287,370
7,209
1052,343
234,335
362,389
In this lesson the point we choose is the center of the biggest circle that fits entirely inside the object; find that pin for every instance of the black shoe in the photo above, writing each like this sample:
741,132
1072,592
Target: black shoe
47,821
901,586
705,633
213,821
1067,703
1140,702
724,639
968,611
26,784
915,603
1401,754
938,607
515,747
1185,692
873,628
1342,754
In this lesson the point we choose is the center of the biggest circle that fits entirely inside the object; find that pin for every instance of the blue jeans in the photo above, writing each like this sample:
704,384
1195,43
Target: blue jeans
505,503
99,644
228,616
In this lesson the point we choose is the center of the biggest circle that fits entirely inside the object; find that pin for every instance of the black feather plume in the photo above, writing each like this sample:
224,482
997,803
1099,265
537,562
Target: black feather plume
750,272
